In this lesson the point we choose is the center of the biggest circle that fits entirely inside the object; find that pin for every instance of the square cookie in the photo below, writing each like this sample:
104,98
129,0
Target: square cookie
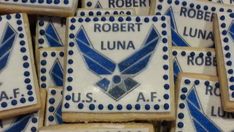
199,105
19,88
51,67
126,61
194,60
53,115
42,7
142,7
224,40
191,21
98,127
25,123
81,12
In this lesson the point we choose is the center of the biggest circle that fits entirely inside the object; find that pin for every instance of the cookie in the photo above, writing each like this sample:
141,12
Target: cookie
142,7
191,21
25,123
194,60
42,7
199,105
98,127
224,49
132,74
53,108
19,87
81,12
51,67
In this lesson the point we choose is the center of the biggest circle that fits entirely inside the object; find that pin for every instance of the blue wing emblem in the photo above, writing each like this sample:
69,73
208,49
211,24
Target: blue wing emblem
201,122
58,114
52,36
56,73
177,40
116,79
20,124
231,30
98,5
6,45
177,68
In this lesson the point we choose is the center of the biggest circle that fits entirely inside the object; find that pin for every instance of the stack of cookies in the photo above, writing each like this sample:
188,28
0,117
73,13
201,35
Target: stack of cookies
116,66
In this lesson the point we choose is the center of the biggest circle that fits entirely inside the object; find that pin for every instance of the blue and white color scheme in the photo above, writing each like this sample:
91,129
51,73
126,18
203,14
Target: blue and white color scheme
82,12
17,71
142,7
53,113
24,123
225,48
194,60
106,59
199,105
50,32
191,21
51,67
48,7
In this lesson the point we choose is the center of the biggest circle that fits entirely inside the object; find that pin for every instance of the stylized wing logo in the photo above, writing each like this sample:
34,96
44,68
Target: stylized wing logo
6,45
177,68
116,79
231,30
177,40
201,122
19,124
58,114
52,36
56,73
98,5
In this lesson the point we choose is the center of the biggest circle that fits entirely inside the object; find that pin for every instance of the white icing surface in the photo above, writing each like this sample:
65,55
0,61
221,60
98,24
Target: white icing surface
187,19
12,75
210,103
50,63
149,80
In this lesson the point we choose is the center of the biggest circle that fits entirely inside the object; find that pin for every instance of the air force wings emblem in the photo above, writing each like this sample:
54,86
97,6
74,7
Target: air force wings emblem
201,122
52,36
116,79
177,39
6,45
56,73
231,30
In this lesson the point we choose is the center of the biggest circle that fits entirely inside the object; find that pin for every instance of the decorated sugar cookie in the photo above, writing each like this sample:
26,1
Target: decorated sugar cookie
142,7
53,113
18,81
199,105
224,46
25,123
132,75
191,21
42,7
105,127
51,67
